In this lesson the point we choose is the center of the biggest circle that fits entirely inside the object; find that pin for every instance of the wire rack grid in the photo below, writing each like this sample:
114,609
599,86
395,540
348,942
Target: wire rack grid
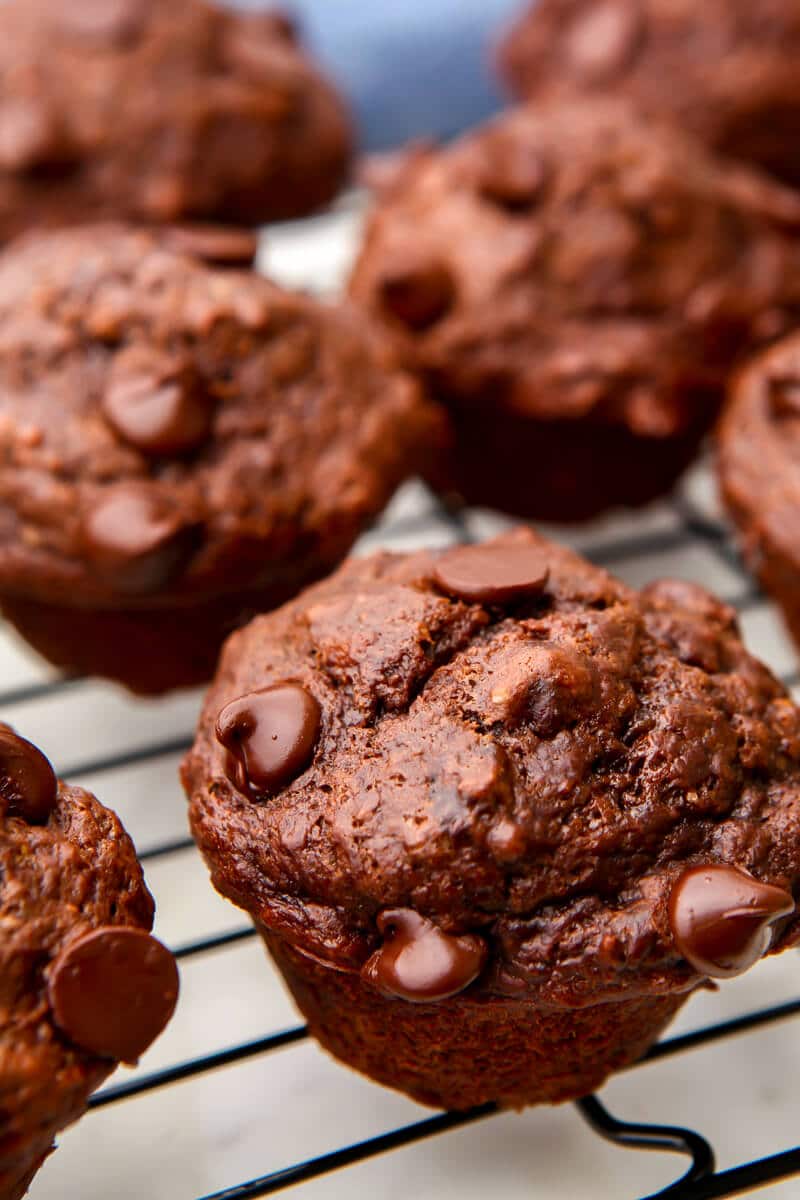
235,1101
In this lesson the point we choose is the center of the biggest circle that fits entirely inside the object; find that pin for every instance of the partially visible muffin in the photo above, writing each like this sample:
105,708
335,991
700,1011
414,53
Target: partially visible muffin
161,112
759,468
574,283
726,70
180,447
83,985
497,815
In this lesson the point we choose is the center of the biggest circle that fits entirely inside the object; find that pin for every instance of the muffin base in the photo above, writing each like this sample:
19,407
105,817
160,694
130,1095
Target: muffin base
148,649
560,470
470,1049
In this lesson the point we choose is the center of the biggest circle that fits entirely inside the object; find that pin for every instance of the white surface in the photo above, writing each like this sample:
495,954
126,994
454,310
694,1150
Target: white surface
227,1126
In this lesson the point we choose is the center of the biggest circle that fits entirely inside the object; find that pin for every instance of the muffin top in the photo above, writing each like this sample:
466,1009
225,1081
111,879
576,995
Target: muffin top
724,68
167,428
579,261
759,451
158,111
503,747
82,983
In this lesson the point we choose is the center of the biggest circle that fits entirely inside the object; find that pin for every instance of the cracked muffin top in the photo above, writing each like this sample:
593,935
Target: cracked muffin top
578,261
171,429
82,983
158,111
725,69
505,743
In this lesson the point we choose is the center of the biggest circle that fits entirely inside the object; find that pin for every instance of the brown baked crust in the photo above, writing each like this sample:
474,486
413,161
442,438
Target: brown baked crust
757,442
255,132
583,272
724,69
58,882
538,774
310,427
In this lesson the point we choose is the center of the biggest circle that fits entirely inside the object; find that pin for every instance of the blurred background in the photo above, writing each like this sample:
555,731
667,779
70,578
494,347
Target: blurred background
411,68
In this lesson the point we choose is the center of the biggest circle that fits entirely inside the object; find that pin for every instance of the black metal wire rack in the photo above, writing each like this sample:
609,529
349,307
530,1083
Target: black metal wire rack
699,1179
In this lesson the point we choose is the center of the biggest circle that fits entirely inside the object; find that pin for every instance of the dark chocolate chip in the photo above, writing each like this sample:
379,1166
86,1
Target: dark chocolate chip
135,539
158,403
784,395
28,785
418,962
30,136
113,991
605,37
512,175
270,737
112,22
491,574
419,294
721,918
216,244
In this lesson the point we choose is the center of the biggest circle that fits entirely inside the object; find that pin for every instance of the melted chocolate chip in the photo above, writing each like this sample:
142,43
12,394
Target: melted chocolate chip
270,737
157,403
28,785
29,135
215,244
721,918
113,991
135,539
418,295
418,962
605,39
492,574
512,175
784,395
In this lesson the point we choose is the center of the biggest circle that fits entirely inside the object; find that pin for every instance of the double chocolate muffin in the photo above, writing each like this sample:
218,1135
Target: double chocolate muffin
180,447
574,282
759,469
724,69
497,815
83,985
160,111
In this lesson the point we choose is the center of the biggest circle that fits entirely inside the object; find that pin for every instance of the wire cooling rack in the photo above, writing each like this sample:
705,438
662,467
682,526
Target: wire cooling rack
235,1101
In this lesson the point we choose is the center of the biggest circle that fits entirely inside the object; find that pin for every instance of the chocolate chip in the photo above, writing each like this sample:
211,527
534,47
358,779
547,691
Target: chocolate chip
135,539
419,294
30,136
721,918
418,962
113,22
113,991
512,175
215,244
784,395
492,574
158,403
28,785
270,737
605,39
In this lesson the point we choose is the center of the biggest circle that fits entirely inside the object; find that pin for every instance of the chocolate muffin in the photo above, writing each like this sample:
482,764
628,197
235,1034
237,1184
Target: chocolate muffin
83,985
497,815
723,69
157,112
574,283
180,447
759,470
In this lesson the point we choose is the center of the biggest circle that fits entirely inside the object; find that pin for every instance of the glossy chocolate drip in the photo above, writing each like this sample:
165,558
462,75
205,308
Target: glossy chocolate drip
492,574
28,785
270,737
135,539
157,403
113,991
722,918
419,962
